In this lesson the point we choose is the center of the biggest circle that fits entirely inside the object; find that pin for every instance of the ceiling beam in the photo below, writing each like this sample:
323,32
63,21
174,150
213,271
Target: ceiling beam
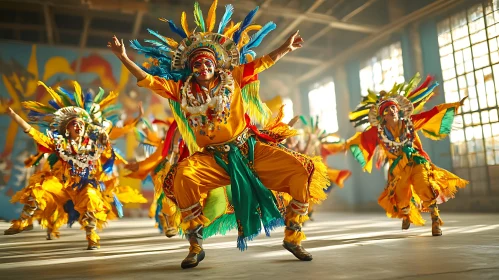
84,34
350,15
48,24
137,24
263,6
279,11
437,6
357,11
301,60
292,26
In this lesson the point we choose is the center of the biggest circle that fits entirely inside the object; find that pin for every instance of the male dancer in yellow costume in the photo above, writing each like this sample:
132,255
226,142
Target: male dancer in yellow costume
211,81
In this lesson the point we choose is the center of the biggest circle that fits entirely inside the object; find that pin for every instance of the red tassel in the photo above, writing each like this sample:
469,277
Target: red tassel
169,138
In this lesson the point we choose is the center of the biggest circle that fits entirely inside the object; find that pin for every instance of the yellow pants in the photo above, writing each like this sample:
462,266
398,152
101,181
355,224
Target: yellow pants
278,169
426,183
90,199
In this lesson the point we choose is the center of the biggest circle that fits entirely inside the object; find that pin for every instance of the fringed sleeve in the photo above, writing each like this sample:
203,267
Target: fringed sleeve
44,142
436,123
246,76
362,145
166,88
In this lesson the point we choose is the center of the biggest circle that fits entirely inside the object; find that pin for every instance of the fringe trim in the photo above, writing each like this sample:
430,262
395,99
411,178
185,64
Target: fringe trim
221,225
319,181
272,225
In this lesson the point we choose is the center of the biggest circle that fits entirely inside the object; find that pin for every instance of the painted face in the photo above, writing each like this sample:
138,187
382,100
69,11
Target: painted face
391,113
75,128
203,69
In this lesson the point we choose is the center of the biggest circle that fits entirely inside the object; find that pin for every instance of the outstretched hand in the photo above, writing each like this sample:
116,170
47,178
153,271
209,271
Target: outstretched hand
294,42
462,100
117,47
132,166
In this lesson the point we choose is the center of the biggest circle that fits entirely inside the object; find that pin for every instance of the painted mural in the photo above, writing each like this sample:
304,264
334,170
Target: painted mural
22,65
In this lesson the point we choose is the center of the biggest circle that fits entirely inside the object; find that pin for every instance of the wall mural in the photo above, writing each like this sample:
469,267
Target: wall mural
21,66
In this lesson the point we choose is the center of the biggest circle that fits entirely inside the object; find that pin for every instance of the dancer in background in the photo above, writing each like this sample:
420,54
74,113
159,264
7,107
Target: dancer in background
392,137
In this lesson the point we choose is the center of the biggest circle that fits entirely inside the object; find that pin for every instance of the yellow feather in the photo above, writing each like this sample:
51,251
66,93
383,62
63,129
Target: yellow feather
171,42
78,94
183,22
163,20
232,30
354,115
212,15
110,99
245,36
53,94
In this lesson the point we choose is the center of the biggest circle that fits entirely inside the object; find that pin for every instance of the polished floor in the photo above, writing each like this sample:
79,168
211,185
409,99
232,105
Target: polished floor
345,246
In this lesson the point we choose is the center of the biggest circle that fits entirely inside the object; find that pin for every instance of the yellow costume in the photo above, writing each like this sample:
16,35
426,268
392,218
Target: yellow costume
413,181
78,170
226,148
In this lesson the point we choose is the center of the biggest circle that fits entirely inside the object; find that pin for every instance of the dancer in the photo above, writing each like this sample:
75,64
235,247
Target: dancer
412,178
211,81
81,157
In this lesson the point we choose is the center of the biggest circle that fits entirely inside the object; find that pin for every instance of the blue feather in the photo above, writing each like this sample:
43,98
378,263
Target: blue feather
159,36
73,215
88,101
118,205
257,38
158,45
70,95
246,22
54,104
243,59
108,165
175,29
229,9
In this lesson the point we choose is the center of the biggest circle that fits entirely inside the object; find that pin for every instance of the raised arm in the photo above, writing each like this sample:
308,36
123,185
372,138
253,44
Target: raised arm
118,48
437,123
248,72
43,141
362,146
163,87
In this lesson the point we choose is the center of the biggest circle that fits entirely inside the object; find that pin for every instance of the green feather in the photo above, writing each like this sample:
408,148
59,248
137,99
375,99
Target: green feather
198,17
99,96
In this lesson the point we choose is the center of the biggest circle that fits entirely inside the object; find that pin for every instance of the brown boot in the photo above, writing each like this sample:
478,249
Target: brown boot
196,252
406,224
170,231
436,222
298,251
93,239
25,221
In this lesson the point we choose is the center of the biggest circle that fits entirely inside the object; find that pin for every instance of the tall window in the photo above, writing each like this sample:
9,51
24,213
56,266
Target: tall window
383,70
322,102
288,109
469,56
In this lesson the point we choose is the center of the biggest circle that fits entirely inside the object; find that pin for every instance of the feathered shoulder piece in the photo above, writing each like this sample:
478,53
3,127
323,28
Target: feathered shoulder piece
409,97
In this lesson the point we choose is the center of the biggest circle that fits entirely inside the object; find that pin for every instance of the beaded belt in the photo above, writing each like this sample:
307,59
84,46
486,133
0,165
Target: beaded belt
225,147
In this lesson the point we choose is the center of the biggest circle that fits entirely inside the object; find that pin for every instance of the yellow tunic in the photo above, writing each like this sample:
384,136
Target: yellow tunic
414,176
235,124
88,198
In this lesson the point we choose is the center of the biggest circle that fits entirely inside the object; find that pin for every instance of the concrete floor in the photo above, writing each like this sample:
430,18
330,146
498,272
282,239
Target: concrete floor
345,246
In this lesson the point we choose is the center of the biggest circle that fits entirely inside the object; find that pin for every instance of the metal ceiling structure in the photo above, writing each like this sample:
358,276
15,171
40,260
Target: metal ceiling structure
333,30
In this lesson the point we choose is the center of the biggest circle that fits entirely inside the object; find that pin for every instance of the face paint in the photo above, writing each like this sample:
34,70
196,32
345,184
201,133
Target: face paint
203,69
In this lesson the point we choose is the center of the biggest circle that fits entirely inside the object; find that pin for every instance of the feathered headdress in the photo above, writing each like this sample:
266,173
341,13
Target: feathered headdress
230,43
66,106
409,97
